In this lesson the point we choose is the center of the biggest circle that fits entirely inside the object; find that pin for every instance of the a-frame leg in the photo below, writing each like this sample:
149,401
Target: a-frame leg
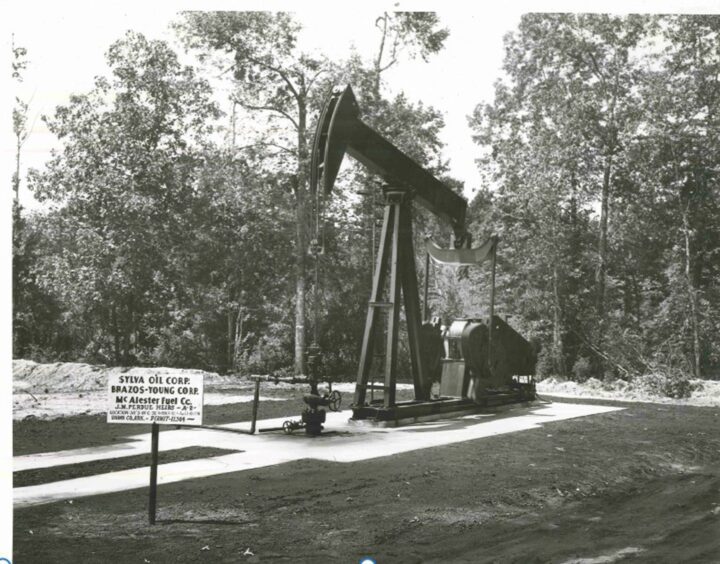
412,304
397,255
371,321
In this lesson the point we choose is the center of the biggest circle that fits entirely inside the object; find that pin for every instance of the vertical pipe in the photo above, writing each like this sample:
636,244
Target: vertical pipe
492,303
427,279
155,439
316,298
256,401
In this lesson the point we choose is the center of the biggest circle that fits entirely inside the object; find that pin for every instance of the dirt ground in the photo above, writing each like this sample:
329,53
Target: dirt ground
640,485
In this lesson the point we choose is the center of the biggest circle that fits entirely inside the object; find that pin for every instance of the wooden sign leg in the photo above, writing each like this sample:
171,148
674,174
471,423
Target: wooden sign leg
155,439
256,402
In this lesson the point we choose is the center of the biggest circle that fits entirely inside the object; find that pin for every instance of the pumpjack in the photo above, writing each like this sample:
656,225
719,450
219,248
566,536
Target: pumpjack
479,361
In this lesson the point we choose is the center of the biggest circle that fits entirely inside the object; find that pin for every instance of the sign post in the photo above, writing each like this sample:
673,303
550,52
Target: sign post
256,401
155,434
159,399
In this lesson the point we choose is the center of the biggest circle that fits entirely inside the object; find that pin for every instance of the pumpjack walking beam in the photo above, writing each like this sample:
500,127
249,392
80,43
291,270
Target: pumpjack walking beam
339,131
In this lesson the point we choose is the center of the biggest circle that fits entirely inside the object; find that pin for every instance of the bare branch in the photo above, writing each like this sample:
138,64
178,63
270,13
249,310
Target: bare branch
386,67
312,79
279,72
596,69
283,113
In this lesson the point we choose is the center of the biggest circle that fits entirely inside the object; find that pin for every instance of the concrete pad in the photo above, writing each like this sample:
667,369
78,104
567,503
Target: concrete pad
137,444
348,443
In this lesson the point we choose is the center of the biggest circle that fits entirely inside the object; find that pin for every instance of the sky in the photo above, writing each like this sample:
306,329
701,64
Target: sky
66,42
66,48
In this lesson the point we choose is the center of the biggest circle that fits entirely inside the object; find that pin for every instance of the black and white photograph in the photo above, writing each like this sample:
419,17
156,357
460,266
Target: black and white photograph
394,282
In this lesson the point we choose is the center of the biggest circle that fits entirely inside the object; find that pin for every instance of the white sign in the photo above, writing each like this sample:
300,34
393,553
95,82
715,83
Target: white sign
159,398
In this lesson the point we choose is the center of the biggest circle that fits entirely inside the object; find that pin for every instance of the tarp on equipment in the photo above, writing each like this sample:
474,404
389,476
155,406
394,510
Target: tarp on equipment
460,257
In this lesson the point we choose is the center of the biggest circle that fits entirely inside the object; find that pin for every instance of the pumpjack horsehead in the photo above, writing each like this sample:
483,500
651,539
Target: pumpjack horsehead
479,361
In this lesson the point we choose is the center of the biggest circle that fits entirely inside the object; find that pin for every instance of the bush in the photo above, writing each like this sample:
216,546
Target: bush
672,384
178,348
271,354
545,364
582,369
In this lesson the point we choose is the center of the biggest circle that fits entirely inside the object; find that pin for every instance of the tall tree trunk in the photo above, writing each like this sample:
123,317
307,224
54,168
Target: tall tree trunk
692,295
611,145
238,338
301,241
232,321
558,352
300,271
230,352
602,248
19,126
378,59
369,198
16,175
684,204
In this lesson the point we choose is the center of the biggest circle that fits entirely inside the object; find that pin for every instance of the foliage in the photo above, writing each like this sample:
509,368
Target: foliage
39,330
667,384
124,182
271,76
172,237
582,369
414,33
603,186
162,247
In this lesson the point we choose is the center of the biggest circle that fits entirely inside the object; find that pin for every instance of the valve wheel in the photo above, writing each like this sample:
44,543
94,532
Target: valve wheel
287,427
334,400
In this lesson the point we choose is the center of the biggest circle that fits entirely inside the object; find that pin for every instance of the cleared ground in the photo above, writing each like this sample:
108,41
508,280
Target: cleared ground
640,484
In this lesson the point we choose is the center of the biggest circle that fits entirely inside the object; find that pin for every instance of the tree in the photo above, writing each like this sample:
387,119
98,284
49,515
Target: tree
416,33
123,186
681,145
19,117
411,34
605,124
20,274
274,77
34,313
233,310
533,164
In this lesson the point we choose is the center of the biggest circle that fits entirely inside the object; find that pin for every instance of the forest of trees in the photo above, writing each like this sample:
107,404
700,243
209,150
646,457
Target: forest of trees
174,233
